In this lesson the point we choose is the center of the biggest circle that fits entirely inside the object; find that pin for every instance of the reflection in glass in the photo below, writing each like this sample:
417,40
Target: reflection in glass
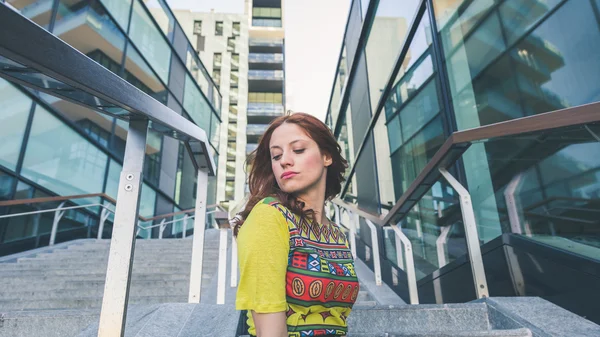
119,9
162,15
215,128
435,228
138,73
6,185
13,119
514,60
196,105
61,160
38,11
545,186
388,31
150,42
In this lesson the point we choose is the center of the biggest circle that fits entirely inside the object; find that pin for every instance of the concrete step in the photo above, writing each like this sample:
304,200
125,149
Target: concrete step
68,284
87,291
421,319
83,302
85,271
481,333
14,280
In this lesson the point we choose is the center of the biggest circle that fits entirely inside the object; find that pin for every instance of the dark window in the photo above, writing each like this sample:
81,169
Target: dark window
219,28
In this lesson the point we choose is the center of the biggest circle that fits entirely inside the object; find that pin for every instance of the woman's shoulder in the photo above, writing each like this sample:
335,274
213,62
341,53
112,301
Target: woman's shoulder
269,205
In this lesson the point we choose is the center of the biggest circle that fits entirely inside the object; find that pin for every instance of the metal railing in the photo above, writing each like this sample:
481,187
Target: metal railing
65,72
437,168
276,75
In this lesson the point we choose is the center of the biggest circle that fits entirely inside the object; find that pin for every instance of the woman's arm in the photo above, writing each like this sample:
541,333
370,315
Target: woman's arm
270,325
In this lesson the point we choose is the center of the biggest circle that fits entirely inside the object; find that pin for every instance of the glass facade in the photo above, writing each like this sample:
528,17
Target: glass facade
478,63
54,147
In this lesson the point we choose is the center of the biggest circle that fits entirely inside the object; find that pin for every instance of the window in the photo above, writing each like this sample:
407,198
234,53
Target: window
235,78
230,170
236,28
217,61
198,27
230,190
217,77
231,148
265,97
233,112
235,61
233,94
219,28
231,44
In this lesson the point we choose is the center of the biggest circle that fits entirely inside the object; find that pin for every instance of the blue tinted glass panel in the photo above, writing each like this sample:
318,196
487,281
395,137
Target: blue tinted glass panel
163,17
388,31
119,9
196,105
13,119
150,41
60,159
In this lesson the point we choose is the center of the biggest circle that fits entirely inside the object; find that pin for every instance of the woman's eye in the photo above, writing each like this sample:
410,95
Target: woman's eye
276,157
299,150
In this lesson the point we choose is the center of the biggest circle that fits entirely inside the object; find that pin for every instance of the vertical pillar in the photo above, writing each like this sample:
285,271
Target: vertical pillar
198,240
122,244
474,250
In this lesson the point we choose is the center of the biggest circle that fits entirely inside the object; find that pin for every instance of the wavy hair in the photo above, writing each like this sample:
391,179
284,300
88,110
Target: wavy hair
262,182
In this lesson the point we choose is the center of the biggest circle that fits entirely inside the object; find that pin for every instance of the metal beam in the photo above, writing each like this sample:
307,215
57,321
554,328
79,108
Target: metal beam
122,245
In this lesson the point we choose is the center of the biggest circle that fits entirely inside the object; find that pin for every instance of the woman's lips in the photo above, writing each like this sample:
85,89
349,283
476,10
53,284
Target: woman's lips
288,175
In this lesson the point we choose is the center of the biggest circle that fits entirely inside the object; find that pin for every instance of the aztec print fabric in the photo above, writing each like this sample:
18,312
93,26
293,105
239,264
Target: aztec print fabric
321,284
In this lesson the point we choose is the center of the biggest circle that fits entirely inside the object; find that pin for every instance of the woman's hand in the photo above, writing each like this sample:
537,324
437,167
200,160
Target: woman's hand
270,325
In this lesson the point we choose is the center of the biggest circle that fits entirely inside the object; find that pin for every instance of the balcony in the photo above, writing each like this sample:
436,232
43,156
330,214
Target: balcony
266,61
255,131
270,75
265,80
265,58
250,147
265,45
263,113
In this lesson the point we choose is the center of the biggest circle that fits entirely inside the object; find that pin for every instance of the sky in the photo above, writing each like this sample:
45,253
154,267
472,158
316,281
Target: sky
313,38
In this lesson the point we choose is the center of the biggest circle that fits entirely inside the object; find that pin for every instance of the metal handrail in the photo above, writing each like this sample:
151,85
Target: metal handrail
59,212
92,195
402,242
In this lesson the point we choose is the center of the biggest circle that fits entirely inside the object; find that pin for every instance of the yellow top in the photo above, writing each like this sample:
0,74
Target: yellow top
263,257
288,265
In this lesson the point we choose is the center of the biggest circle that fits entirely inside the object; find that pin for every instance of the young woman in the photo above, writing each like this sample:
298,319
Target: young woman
296,272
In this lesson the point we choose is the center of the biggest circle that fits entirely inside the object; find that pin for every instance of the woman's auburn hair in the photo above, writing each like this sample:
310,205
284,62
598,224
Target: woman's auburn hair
262,182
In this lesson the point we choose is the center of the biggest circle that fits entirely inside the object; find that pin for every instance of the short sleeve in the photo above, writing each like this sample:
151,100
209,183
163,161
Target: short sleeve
263,248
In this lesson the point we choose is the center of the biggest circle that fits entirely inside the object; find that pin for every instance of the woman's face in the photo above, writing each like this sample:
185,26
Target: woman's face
296,160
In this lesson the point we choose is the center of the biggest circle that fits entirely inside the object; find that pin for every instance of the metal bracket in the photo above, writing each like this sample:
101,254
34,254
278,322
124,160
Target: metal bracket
472,237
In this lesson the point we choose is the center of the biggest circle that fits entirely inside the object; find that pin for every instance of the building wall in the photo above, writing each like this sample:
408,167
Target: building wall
54,147
235,93
477,63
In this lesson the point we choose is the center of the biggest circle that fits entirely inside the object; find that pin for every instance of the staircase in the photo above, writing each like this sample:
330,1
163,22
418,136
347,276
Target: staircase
73,277
57,292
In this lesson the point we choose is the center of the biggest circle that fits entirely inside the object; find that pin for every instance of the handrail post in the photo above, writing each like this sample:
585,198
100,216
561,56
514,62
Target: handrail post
222,267
410,265
120,260
354,222
184,228
468,215
103,217
234,263
58,214
198,240
162,228
376,259
440,243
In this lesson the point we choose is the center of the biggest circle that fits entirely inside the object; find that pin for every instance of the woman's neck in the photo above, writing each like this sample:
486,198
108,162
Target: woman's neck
316,202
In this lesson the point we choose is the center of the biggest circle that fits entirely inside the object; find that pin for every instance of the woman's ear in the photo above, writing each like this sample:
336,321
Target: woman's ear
327,160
